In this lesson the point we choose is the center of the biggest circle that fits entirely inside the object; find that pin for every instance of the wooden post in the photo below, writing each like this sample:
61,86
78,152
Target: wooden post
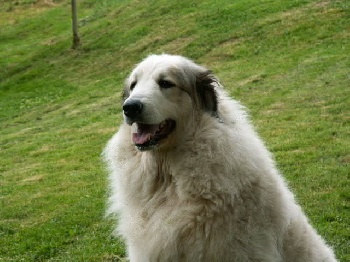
76,39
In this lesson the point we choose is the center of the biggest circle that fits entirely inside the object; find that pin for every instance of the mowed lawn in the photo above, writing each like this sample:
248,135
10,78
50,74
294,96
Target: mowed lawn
287,61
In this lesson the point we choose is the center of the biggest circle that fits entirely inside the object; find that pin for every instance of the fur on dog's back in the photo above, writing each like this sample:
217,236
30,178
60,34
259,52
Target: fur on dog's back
213,195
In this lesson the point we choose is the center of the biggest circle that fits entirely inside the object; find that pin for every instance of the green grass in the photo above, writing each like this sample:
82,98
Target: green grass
287,61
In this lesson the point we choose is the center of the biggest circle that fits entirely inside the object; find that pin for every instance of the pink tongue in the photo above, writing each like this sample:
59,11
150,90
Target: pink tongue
144,133
140,138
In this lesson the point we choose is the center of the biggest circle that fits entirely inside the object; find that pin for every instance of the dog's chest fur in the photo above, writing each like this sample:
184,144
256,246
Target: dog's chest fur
188,206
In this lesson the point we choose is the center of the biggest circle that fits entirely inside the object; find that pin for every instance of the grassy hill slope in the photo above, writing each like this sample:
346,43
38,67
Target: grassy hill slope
287,61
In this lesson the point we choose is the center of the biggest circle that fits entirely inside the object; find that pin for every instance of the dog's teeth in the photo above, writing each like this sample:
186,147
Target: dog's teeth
134,128
160,127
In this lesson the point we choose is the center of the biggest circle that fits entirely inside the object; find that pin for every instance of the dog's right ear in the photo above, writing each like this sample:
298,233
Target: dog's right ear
125,93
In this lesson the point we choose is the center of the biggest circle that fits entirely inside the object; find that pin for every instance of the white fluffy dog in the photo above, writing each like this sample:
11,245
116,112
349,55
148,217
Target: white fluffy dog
192,181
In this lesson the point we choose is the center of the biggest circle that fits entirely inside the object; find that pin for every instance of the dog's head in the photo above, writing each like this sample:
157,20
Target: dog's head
160,95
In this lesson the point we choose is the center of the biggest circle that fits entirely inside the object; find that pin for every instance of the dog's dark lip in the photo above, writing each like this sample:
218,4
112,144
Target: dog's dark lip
148,136
146,146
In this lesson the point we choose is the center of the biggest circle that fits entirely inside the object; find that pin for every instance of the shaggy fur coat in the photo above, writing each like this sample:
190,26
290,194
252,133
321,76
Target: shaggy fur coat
215,195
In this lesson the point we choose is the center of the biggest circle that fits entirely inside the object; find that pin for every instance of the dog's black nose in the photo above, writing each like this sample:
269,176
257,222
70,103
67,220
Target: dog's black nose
132,108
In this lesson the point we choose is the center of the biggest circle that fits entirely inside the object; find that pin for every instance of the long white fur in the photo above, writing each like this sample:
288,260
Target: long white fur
213,192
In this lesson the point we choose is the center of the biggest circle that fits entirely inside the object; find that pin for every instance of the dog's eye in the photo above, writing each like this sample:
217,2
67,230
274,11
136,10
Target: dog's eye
132,86
165,84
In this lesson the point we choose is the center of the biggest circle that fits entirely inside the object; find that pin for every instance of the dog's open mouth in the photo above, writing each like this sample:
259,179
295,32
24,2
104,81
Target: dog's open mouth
146,136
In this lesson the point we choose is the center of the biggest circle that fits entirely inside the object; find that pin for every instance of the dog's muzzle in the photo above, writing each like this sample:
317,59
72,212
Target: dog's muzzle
145,135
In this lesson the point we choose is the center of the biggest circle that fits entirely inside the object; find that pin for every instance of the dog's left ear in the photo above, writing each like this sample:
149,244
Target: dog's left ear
205,89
